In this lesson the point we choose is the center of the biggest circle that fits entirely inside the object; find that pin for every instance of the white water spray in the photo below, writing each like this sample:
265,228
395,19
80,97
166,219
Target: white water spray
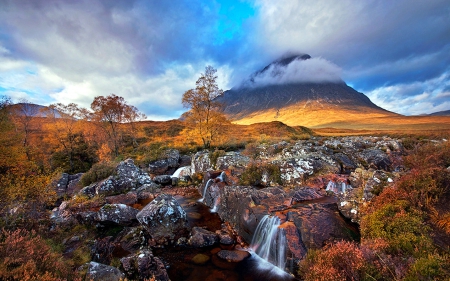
208,183
269,241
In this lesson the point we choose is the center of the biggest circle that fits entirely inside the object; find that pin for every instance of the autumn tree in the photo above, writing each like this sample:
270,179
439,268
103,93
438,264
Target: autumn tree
205,113
110,112
23,114
66,132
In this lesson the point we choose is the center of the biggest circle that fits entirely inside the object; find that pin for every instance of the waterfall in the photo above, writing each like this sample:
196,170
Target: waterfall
221,176
269,241
179,170
216,203
208,183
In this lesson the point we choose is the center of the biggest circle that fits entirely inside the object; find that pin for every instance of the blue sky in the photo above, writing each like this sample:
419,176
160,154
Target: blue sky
151,52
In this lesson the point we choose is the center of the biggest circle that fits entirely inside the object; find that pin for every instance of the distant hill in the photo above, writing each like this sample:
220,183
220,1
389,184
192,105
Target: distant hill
440,113
303,103
33,110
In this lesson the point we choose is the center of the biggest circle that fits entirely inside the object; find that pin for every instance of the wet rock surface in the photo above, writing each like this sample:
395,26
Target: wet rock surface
101,272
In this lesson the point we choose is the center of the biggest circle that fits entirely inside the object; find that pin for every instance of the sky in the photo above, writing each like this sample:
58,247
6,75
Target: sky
151,52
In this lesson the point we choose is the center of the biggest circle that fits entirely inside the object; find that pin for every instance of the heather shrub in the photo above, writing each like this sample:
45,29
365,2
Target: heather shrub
257,174
98,172
24,255
431,267
400,226
335,262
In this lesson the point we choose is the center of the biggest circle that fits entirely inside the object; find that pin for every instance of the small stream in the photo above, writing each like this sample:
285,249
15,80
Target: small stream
179,260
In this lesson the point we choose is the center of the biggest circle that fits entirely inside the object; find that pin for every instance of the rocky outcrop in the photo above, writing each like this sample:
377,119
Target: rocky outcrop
67,184
163,217
144,265
169,162
128,176
201,162
101,272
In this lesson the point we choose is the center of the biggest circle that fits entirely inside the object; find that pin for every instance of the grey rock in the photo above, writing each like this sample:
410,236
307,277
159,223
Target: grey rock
120,214
163,217
102,272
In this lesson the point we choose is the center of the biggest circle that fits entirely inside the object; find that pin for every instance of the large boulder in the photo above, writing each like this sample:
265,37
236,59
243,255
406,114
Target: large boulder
128,176
144,265
120,214
163,217
102,272
168,163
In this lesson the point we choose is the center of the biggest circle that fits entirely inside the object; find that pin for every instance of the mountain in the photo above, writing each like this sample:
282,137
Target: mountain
440,113
298,90
33,110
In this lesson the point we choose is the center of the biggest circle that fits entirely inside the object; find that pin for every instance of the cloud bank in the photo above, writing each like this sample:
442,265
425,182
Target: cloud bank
314,70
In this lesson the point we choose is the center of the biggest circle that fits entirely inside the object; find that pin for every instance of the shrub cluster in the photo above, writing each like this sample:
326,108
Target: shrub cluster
99,171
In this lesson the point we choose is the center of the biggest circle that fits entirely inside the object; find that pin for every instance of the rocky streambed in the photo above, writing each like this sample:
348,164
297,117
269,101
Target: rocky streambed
149,222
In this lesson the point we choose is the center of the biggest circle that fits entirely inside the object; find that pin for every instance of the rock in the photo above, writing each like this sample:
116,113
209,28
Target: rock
306,193
232,159
158,167
163,217
200,162
127,177
200,259
170,161
233,256
163,179
201,237
117,213
67,184
143,265
128,199
132,239
346,164
101,272
376,159
224,237
102,250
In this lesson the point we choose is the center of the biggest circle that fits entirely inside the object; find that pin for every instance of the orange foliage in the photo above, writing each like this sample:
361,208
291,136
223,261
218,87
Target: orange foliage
25,256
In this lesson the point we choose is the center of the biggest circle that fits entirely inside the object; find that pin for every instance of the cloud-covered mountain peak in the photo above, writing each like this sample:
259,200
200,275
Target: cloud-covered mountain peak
293,69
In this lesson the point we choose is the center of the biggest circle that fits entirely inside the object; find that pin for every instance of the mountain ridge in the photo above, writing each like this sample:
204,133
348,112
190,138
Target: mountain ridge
297,103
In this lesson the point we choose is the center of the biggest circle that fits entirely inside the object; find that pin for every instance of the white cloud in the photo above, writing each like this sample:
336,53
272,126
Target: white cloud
299,71
414,98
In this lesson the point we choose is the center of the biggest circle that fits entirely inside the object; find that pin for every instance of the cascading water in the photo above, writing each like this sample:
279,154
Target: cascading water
269,241
208,183
179,171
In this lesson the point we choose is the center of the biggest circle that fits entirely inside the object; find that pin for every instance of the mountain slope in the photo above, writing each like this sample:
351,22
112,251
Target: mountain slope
296,103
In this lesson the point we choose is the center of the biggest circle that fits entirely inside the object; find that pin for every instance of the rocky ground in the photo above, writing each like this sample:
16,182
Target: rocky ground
321,187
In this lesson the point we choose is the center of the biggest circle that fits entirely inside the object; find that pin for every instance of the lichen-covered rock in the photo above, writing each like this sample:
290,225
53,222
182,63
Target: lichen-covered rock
67,184
143,265
233,160
163,179
167,165
201,237
163,217
120,214
102,272
201,162
128,176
